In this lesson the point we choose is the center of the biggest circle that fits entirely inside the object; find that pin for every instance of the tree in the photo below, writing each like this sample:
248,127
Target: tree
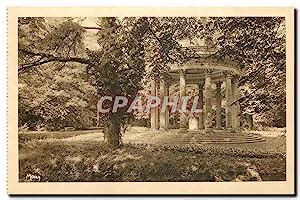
55,94
118,67
257,44
53,101
134,47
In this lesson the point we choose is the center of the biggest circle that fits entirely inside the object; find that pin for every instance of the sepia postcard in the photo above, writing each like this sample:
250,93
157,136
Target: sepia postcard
151,101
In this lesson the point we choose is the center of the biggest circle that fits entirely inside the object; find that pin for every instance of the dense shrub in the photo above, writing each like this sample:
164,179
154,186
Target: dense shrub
52,102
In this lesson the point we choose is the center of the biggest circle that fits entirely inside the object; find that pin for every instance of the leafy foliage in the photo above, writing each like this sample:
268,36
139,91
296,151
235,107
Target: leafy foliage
118,66
258,46
134,48
54,101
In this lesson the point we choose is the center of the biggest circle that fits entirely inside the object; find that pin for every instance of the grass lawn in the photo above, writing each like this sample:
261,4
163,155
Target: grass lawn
30,135
66,158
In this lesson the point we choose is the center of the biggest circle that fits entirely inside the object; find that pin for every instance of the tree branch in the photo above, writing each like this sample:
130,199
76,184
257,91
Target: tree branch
257,88
46,58
92,28
160,42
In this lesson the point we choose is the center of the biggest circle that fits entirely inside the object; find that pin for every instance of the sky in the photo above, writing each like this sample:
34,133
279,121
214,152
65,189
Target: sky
90,40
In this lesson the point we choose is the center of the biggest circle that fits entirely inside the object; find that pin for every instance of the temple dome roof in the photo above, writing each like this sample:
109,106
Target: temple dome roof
201,62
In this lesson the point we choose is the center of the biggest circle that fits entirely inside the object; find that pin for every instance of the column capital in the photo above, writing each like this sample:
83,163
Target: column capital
208,75
201,86
208,71
218,84
163,81
156,79
182,71
235,79
228,75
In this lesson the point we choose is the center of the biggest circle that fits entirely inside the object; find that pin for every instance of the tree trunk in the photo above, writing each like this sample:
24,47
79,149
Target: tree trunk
113,134
249,119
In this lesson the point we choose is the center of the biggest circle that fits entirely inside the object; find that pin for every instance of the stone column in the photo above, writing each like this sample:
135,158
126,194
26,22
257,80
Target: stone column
218,105
236,106
228,109
167,109
208,104
183,117
154,111
163,118
201,114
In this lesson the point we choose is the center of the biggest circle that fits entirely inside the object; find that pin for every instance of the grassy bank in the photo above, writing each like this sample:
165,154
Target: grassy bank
61,160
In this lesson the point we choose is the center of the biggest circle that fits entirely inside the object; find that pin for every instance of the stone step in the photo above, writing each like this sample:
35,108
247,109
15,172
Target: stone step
232,139
210,135
203,141
211,141
198,138
208,138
